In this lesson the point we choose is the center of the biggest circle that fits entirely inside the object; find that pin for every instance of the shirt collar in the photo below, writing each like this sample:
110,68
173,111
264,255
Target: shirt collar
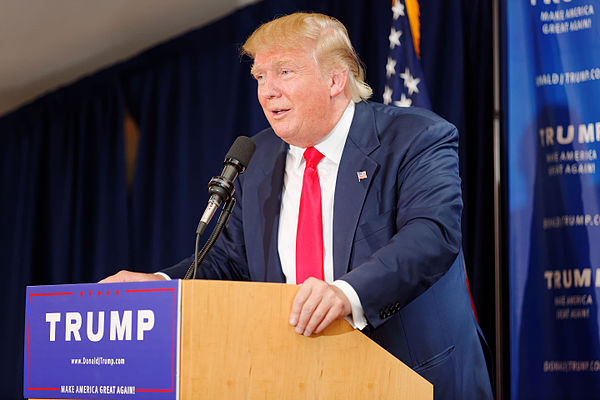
332,146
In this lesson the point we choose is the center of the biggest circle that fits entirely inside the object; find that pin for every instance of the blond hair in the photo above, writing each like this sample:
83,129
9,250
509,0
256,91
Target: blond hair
331,43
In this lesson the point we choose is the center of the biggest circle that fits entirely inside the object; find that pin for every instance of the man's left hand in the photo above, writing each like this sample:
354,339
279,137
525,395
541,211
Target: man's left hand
316,305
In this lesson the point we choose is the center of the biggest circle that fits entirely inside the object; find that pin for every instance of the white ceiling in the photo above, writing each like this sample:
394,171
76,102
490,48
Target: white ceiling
48,43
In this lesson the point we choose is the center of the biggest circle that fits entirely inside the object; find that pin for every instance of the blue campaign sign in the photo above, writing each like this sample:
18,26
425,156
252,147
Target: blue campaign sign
102,341
553,126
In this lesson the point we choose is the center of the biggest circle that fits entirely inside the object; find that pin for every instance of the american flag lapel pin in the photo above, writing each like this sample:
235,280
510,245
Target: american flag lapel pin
361,175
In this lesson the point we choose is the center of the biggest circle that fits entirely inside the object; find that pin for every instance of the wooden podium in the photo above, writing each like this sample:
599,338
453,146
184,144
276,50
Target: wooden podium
236,343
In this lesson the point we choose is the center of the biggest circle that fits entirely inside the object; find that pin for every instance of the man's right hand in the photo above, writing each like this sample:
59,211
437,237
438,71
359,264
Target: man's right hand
129,276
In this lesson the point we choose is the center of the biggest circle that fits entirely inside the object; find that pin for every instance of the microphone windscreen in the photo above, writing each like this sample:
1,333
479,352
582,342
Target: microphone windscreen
242,150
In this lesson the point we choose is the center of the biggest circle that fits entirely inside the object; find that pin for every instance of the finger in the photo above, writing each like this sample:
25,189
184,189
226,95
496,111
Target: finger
334,313
309,307
317,316
143,277
301,296
128,276
112,279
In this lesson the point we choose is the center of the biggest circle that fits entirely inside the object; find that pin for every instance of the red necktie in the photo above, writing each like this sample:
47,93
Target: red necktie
309,237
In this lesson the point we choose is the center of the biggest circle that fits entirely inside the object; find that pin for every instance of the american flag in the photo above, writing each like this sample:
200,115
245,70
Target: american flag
404,86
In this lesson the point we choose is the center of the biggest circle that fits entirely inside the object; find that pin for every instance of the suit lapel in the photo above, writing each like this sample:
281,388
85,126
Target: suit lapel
350,192
265,215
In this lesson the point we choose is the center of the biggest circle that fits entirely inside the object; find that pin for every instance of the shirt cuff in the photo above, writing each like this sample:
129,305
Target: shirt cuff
167,277
357,318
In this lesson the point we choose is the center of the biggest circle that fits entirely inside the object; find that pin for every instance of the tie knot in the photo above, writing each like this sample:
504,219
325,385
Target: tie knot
312,157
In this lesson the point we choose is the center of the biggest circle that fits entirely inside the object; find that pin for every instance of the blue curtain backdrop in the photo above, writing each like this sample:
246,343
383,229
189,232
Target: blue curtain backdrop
63,201
69,216
456,55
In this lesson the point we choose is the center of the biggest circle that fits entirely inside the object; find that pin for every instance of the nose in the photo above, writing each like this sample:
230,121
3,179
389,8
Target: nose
268,88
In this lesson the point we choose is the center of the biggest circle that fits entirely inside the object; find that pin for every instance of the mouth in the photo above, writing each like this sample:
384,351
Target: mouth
279,112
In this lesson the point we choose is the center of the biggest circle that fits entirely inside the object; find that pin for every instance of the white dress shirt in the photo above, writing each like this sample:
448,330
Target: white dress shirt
331,147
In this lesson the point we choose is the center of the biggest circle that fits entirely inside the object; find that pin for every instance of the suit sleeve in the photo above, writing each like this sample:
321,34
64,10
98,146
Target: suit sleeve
426,237
227,259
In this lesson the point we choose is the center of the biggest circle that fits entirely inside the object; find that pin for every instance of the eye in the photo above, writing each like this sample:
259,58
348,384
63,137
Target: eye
258,77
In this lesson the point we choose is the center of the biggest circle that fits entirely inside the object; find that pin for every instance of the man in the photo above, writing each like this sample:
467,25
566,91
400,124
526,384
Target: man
359,202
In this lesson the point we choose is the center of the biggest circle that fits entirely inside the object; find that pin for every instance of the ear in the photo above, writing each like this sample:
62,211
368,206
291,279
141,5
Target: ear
338,80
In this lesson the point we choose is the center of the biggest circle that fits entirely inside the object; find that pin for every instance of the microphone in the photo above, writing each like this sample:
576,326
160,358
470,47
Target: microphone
221,187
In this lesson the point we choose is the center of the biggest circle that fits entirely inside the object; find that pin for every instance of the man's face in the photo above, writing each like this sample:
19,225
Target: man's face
294,95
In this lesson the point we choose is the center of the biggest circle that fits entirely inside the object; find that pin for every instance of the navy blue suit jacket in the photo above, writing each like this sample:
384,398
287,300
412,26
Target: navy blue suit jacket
396,240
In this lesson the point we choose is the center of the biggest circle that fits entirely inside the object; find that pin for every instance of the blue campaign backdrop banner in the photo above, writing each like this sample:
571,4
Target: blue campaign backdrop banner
553,125
102,341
